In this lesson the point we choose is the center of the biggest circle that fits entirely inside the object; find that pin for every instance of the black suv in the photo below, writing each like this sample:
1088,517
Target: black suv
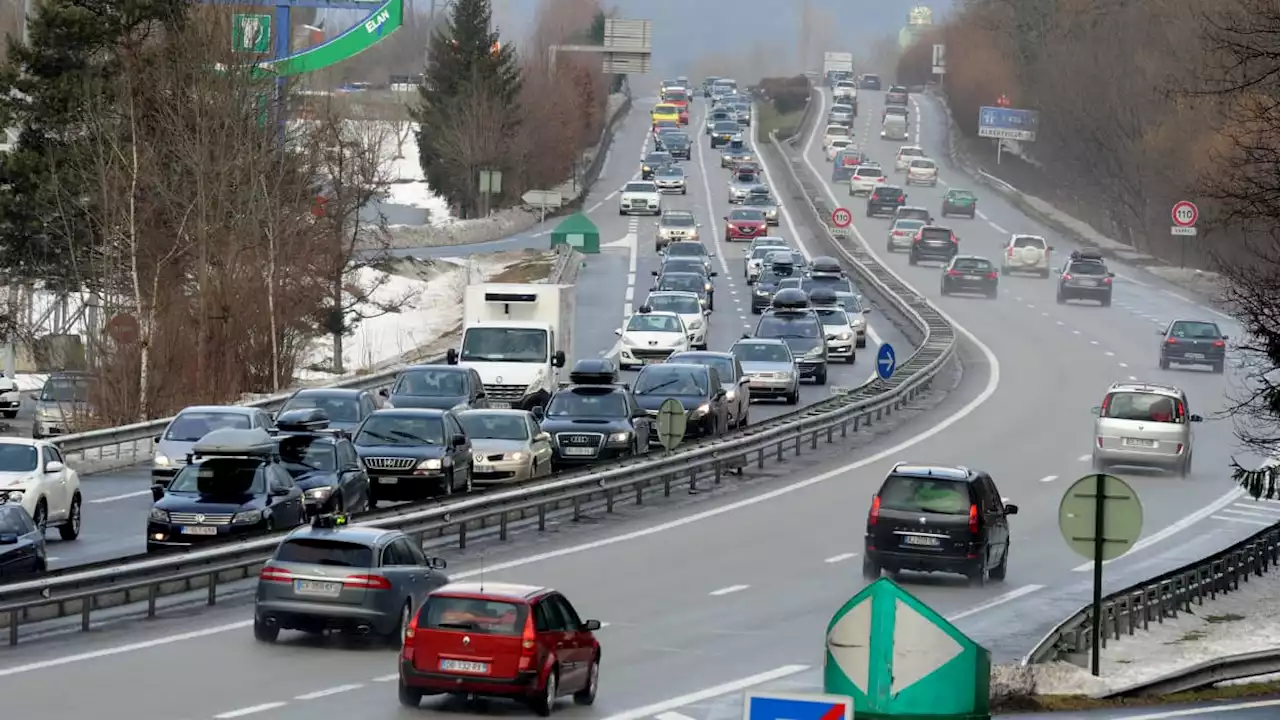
1085,277
938,519
933,242
870,82
1193,342
885,199
970,274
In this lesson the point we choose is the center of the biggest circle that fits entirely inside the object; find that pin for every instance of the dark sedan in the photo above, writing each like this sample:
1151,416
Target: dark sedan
696,387
344,407
323,463
442,387
22,548
414,454
970,274
1193,342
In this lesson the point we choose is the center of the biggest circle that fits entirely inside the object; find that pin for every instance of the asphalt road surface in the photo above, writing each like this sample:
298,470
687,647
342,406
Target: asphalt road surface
735,592
610,285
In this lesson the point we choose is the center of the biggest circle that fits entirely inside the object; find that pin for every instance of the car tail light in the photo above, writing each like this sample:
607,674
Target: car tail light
973,519
902,198
955,240
992,275
1106,402
1172,341
953,273
1182,409
1219,343
412,630
1066,276
367,582
528,643
873,517
1010,252
275,574
1106,281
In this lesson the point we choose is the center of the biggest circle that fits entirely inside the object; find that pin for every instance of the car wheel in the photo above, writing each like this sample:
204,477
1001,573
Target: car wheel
1099,465
1218,368
853,358
41,516
999,572
263,632
794,397
978,574
821,377
1164,363
70,530
870,569
546,703
468,487
1061,299
448,483
1184,468
942,290
861,342
912,260
587,695
993,293
409,696
1106,301
888,247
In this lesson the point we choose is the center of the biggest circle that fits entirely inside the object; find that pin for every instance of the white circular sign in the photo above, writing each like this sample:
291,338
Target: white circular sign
841,217
1185,213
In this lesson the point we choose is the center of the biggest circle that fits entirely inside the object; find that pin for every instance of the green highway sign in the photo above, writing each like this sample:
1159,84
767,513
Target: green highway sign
251,33
671,423
897,658
381,22
1121,516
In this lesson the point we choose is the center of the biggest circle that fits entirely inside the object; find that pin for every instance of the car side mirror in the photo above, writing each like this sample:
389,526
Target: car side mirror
697,225
653,273
542,436
746,336
706,311
720,394
384,393
156,439
1111,274
1010,509
436,563
726,217
711,255
617,331
639,413
866,311
451,356
590,626
54,467
157,492
1096,410
538,413
279,491
744,380
1197,418
459,440
1050,248
713,272
558,359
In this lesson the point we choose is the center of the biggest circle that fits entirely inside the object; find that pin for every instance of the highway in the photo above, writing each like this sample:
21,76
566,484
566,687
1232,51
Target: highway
117,502
735,591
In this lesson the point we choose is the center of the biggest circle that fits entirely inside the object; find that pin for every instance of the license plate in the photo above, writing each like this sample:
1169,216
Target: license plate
1139,442
972,277
388,480
317,588
1089,283
578,451
465,666
650,361
198,530
499,405
921,540
1194,356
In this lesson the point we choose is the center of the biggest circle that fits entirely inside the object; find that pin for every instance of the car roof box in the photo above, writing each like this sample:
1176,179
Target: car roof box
231,442
303,420
594,371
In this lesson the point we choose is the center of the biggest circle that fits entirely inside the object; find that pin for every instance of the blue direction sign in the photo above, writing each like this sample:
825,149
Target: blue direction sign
886,362
1008,123
786,706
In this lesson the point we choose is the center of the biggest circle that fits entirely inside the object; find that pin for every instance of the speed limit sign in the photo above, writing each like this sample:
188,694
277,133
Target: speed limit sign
1185,213
842,217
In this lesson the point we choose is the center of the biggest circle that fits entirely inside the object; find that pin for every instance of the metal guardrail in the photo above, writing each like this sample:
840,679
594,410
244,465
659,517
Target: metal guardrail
1203,675
82,592
1134,608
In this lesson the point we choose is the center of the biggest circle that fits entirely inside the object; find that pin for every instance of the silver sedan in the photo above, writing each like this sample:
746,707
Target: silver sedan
770,368
507,446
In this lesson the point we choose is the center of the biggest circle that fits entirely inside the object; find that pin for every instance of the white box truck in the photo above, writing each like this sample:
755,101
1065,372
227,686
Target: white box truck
517,337
836,66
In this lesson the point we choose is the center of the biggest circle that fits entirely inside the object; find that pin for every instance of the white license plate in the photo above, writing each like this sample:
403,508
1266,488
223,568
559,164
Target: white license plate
197,530
650,361
1139,442
972,277
1194,356
465,666
483,468
499,405
1089,283
921,540
317,588
578,451
388,480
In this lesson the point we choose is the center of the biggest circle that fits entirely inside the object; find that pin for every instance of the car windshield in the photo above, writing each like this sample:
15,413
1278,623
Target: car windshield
306,453
723,365
923,164
744,215
746,178
914,213
65,390
431,383
18,458
481,617
925,495
572,403
832,316
908,225
682,304
869,172
504,344
678,221
797,326
758,199
838,284
345,409
670,171
911,152
654,323
761,352
675,139
1087,268
193,425
639,187
837,130
480,425
840,142
683,264
724,127
222,477
393,429
1143,407
657,158
671,380
1030,241
686,250
682,282
315,551
961,195
936,234
1195,330
763,252
975,264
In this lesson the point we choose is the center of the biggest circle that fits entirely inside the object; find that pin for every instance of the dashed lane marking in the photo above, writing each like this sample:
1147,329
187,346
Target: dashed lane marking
329,691
123,496
1048,478
840,558
728,590
253,710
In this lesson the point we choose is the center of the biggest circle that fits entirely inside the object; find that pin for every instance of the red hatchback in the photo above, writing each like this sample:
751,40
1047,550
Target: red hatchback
745,224
500,640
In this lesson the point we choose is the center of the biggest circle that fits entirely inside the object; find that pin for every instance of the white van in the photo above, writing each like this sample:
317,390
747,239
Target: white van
894,127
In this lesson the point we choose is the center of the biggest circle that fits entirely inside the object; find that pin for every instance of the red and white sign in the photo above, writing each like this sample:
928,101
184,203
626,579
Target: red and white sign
842,218
1185,213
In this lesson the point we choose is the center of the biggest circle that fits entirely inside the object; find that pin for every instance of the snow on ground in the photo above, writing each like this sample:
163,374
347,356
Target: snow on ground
408,186
1247,620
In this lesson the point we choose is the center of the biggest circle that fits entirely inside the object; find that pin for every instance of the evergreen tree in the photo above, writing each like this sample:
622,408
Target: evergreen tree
465,56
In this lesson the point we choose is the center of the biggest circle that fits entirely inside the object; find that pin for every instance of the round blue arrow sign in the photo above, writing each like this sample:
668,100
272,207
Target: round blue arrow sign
886,362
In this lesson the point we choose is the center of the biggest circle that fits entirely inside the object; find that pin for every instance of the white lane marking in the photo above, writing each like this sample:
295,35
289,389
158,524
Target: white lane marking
728,590
1245,513
1124,365
387,678
1048,478
329,691
714,691
1085,458
249,710
706,186
840,558
1075,332
124,496
1133,377
1110,354
1135,281
671,716
1192,712
995,602
1178,526
998,229
1093,342
121,649
611,196
1242,520
596,207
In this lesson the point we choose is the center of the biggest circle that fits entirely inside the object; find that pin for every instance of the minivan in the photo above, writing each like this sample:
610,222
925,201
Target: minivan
1143,424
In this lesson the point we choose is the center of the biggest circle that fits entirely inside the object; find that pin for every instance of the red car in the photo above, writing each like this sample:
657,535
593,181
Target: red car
745,224
500,640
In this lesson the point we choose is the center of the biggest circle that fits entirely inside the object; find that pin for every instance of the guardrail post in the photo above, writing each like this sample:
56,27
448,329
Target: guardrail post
213,590
799,438
13,627
608,500
577,509
86,604
153,594
844,429
666,486
502,527
542,517
639,494
462,535
760,459
693,481
831,434
813,440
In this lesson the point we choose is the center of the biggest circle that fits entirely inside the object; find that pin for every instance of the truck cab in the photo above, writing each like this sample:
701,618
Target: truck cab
515,336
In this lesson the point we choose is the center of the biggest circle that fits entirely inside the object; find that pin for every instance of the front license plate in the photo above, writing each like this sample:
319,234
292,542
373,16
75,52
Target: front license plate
921,540
317,588
1139,442
465,666
388,480
650,361
198,530
499,405
482,468
1194,356
579,451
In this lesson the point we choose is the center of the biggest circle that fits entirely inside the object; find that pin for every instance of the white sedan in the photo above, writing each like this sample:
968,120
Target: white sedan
10,397
640,196
34,474
689,307
650,337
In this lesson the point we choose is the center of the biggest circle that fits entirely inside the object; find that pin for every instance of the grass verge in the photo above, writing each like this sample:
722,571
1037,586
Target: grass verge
1050,703
768,118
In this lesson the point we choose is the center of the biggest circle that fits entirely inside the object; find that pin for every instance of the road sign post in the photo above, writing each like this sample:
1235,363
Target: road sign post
1185,216
1006,123
886,362
939,59
841,217
898,658
671,423
543,200
790,706
1100,517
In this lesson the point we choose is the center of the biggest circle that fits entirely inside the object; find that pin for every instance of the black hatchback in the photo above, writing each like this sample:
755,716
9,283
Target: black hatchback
938,519
1193,342
885,199
970,274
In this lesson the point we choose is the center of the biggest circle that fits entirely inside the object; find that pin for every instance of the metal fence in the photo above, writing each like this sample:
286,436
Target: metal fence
81,592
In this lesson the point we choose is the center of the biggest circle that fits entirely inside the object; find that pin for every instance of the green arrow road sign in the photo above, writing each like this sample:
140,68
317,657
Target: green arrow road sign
899,659
251,33
671,423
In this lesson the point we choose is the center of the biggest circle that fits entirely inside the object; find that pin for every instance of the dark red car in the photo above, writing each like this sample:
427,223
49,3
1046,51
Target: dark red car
745,224
500,640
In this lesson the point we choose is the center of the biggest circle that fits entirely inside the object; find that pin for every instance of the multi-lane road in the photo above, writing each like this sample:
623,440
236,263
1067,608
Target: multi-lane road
737,590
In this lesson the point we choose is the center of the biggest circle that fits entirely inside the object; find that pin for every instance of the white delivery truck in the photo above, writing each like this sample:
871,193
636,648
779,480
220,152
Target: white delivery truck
836,66
517,337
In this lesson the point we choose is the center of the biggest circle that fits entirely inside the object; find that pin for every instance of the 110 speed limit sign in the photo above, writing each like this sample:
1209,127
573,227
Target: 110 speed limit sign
841,217
1185,215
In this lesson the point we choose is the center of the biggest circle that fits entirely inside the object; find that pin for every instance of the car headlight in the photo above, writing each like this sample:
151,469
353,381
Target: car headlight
695,325
51,415
161,460
645,168
534,385
431,464
859,321
321,493
518,456
159,515
247,517
707,287
844,336
701,410
620,437
814,353
762,292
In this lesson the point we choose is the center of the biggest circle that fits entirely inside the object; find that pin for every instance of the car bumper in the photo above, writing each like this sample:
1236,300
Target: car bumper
743,235
918,180
630,206
45,428
860,189
630,356
522,685
11,399
840,348
501,471
674,188
404,488
1026,267
1164,455
163,535
605,454
923,561
925,252
900,243
762,388
959,210
1076,292
294,615
970,286
811,368
1191,358
882,208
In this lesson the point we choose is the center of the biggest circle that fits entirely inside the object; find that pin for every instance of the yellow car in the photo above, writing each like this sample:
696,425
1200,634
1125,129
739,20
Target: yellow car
665,111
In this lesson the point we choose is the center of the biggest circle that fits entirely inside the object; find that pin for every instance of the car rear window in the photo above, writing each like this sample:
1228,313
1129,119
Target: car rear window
1088,268
336,553
935,234
923,164
488,617
929,495
1193,329
972,264
867,172
1143,407
1031,242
